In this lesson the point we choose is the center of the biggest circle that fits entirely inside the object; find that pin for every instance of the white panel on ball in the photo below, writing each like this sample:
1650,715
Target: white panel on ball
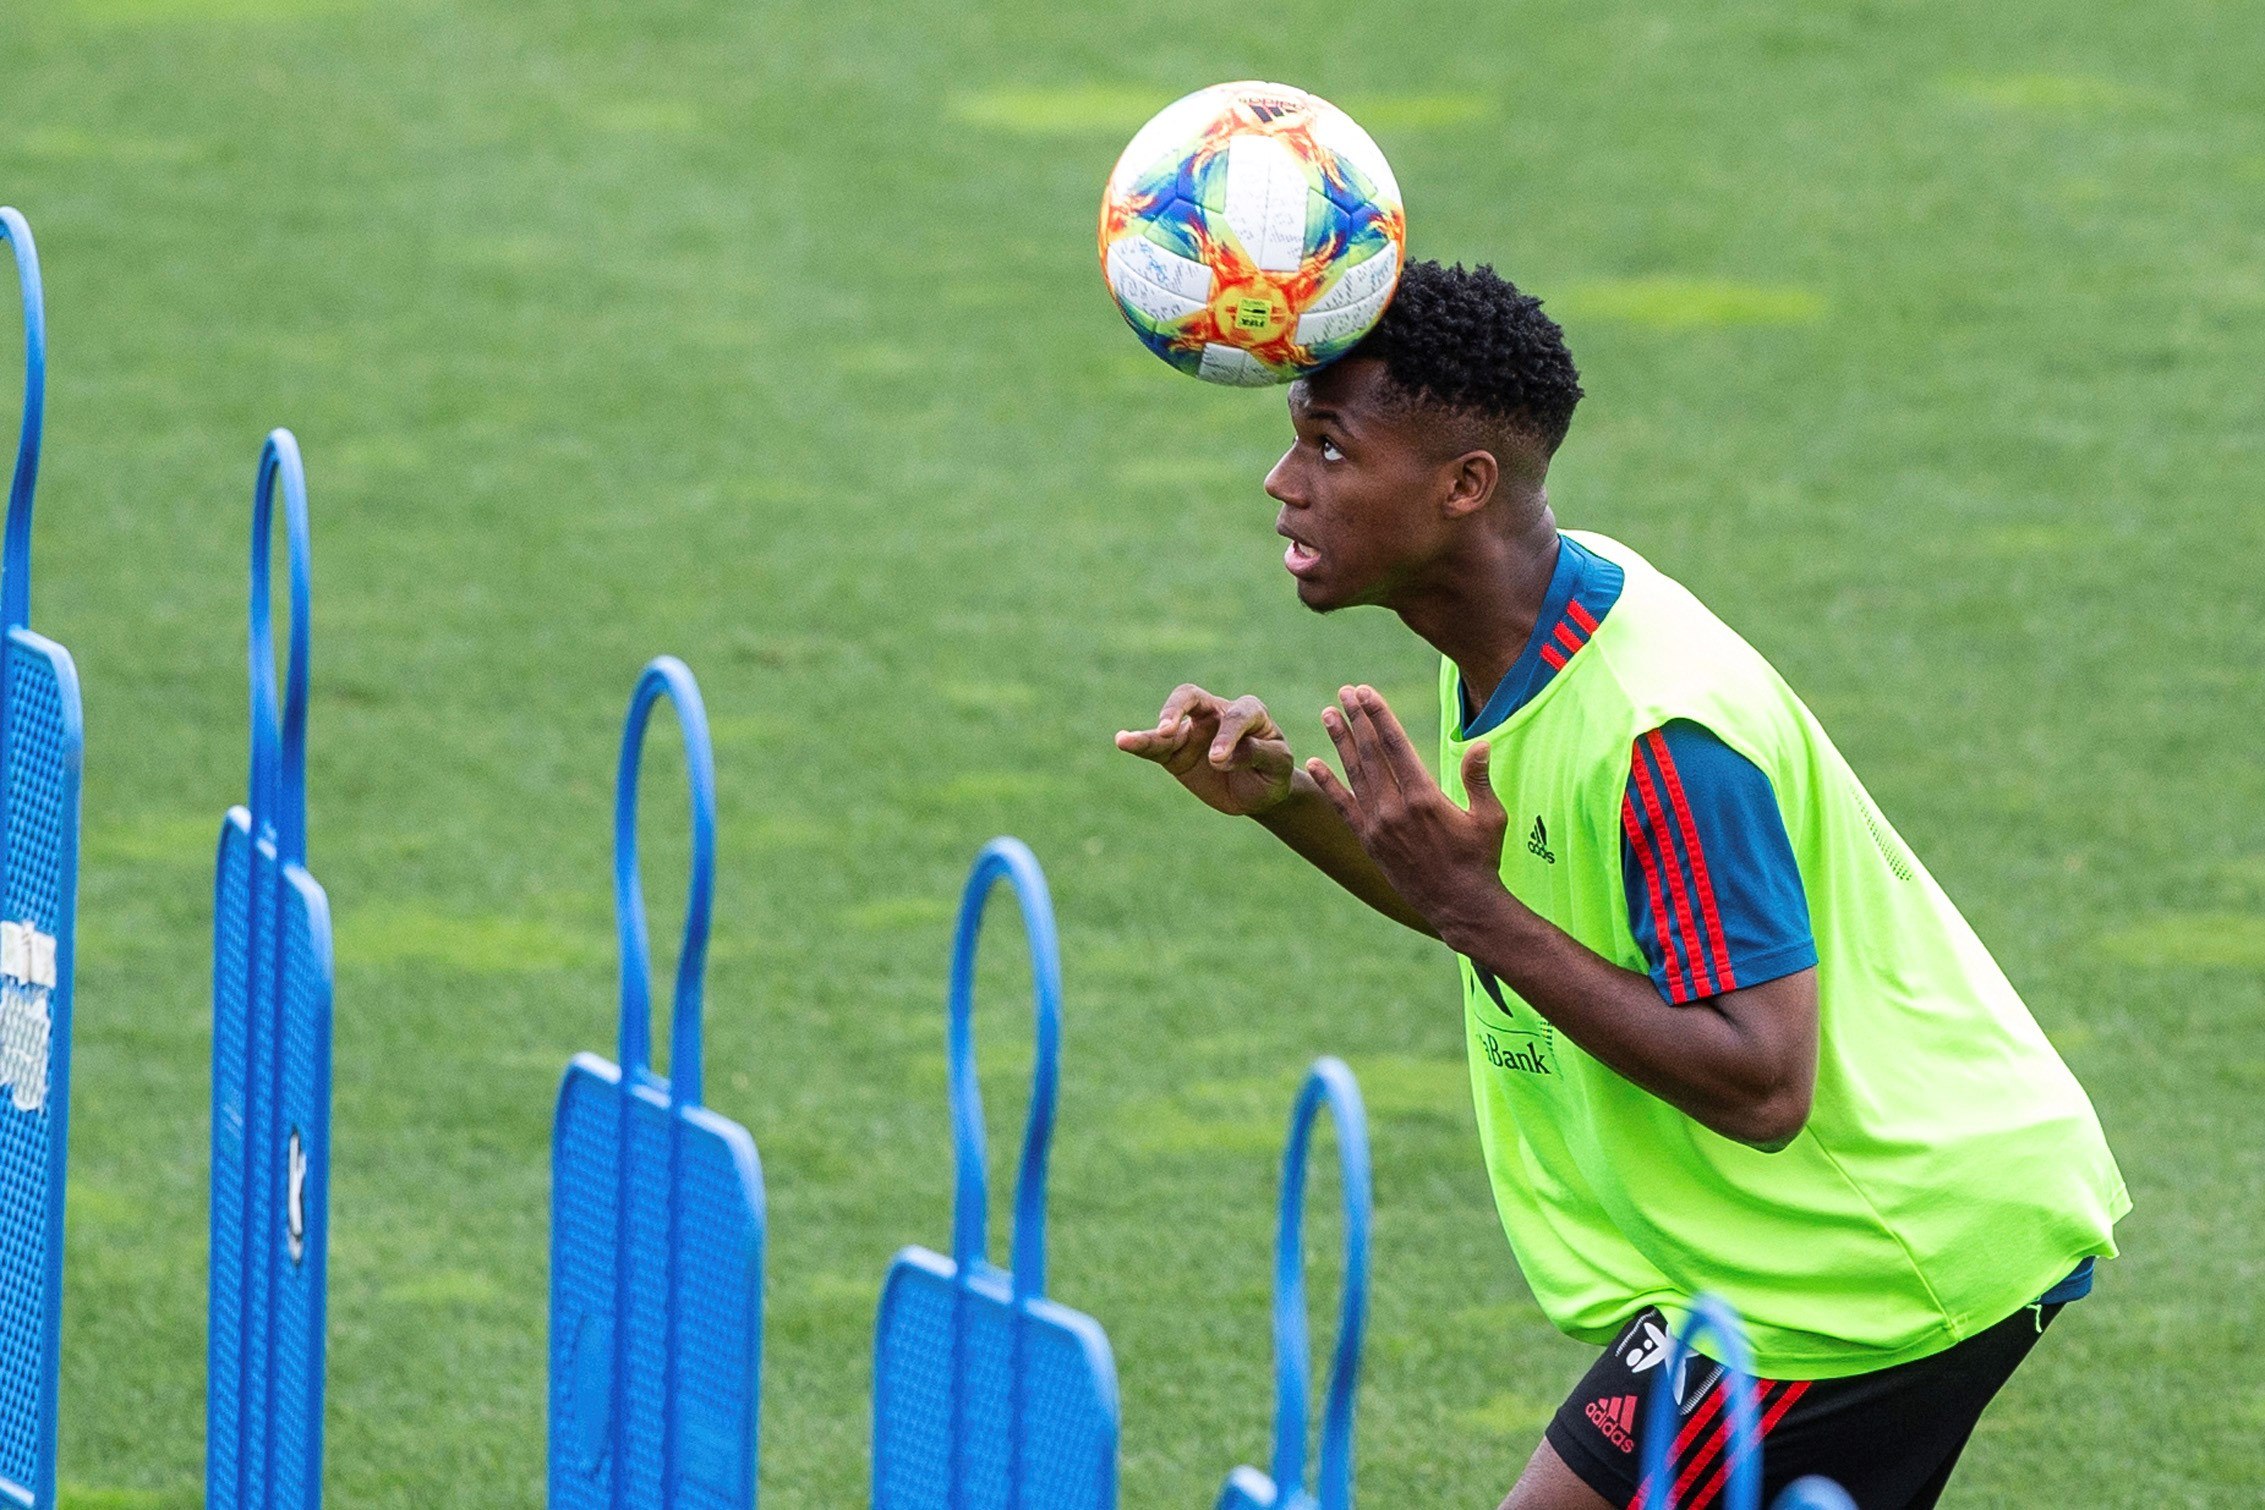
1319,329
1266,202
1360,284
1226,364
1182,284
1181,121
1343,135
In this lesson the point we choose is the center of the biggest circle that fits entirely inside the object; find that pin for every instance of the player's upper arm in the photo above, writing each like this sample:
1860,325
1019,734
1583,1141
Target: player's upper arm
1777,1020
1714,894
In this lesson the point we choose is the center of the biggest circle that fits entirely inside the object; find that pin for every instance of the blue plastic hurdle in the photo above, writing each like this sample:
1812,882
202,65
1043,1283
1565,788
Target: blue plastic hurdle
40,734
271,1008
1286,1488
656,1315
986,1394
1744,1450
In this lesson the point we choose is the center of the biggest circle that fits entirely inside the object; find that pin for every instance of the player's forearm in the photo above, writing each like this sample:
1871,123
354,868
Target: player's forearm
1700,1058
1310,825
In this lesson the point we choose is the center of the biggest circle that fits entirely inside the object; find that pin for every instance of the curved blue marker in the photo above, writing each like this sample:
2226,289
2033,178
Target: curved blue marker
41,739
657,1208
986,1393
665,676
15,571
1744,1452
1009,860
1708,1314
272,1003
279,737
1330,1083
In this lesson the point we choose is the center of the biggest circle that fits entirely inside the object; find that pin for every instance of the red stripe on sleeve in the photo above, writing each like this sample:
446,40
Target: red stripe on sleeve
1566,637
1549,654
1725,973
1677,982
1702,981
1580,616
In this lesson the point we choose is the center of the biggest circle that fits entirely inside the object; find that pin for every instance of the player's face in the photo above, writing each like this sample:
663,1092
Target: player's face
1359,493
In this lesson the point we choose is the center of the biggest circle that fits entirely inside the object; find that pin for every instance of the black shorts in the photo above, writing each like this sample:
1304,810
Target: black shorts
1890,1438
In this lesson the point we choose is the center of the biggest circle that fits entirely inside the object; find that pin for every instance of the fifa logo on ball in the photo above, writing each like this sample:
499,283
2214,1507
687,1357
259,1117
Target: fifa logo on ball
1254,314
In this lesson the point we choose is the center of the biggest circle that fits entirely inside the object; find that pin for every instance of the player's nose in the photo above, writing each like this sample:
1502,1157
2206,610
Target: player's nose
1282,484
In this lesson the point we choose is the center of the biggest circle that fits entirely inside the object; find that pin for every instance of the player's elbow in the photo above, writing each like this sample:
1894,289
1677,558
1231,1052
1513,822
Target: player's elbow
1768,1084
1772,1121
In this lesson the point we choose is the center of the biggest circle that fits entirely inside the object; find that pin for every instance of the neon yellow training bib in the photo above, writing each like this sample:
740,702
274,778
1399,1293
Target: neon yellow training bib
1952,1169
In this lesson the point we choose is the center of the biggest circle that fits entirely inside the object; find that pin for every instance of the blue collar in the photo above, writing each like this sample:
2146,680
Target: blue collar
1582,589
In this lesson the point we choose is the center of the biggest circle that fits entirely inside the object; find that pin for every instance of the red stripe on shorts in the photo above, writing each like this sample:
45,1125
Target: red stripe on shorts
1721,1475
1683,1441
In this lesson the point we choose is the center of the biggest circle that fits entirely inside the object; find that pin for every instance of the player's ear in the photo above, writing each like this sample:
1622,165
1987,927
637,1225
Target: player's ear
1471,480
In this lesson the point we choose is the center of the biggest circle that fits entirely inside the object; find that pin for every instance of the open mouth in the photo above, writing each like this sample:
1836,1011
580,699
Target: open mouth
1300,557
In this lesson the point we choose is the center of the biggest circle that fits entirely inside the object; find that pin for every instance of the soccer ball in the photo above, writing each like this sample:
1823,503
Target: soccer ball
1251,233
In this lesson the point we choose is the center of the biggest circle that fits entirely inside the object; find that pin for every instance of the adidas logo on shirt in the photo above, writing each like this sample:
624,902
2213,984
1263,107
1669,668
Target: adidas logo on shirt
1616,1419
1537,842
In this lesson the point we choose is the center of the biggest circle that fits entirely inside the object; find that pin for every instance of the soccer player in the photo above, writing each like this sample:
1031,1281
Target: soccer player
1726,1033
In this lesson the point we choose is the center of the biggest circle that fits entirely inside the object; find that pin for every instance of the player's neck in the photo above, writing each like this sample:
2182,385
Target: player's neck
1479,607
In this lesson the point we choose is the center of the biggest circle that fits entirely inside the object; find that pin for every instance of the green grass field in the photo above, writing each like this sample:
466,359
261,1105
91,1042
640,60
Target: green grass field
1922,341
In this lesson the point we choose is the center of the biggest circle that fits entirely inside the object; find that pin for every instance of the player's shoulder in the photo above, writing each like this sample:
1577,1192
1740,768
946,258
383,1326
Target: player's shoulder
1673,660
1663,622
1653,588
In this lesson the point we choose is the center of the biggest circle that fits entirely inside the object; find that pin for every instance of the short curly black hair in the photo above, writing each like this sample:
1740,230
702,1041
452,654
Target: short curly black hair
1466,339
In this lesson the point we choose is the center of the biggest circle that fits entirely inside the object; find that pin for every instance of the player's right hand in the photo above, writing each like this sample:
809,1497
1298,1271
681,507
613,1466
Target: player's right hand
1230,754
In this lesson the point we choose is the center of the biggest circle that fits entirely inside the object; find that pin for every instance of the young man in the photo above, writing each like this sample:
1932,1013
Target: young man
1726,1033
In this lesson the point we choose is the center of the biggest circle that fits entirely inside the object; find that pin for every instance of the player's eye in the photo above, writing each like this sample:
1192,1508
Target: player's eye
1329,451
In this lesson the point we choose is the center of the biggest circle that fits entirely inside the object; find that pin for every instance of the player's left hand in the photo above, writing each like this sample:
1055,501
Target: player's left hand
1446,861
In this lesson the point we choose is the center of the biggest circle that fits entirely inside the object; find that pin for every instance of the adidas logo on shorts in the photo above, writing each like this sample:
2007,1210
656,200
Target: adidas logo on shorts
1616,1419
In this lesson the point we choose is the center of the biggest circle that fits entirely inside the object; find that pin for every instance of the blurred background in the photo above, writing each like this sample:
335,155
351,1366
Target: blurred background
1922,340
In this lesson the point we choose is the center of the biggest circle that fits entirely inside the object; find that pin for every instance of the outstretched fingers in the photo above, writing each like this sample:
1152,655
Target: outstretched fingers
1396,750
1368,765
1348,750
1340,796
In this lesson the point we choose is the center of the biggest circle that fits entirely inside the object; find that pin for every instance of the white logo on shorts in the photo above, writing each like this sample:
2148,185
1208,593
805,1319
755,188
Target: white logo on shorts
1645,1348
1650,1350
